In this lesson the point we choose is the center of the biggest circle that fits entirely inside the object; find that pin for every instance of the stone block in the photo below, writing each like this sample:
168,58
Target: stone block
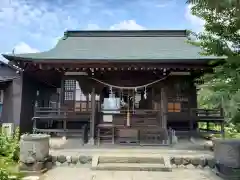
227,152
48,165
211,162
195,162
62,159
74,159
85,159
186,161
34,148
69,159
38,166
228,172
203,162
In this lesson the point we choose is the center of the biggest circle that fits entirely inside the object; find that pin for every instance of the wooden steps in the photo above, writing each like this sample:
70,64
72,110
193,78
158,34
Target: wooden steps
121,162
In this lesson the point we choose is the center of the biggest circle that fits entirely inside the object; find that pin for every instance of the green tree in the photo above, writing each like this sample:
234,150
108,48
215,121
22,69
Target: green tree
215,4
221,38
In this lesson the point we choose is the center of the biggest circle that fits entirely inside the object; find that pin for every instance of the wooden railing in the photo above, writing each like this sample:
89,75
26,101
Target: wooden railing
208,114
135,111
49,112
137,117
61,120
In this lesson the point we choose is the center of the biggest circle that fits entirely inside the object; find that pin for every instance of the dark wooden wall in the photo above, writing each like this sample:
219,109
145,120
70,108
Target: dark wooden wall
30,86
181,89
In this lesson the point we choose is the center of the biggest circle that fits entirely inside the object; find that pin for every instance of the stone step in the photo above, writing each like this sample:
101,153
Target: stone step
130,159
131,163
131,167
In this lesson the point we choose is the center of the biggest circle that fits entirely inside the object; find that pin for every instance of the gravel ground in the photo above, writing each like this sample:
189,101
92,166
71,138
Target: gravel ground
71,173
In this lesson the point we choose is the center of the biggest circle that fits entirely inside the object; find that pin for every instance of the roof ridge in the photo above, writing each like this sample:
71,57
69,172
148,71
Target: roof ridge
125,33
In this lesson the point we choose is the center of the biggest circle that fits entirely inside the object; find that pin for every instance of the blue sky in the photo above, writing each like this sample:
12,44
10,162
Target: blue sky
36,25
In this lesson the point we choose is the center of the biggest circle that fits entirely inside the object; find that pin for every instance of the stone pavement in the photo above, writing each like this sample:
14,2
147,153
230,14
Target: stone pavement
74,173
71,147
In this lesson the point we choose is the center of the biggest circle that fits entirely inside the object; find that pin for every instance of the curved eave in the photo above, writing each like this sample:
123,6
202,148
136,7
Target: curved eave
16,58
51,60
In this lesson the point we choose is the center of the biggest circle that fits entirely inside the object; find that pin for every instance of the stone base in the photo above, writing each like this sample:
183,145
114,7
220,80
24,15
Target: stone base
34,173
91,141
35,168
227,152
227,172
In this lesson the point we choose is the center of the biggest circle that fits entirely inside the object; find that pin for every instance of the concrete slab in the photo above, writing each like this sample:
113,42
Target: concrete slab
63,173
72,146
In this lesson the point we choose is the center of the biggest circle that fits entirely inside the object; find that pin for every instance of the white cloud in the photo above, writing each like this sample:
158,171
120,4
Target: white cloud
196,23
168,3
22,47
25,15
127,25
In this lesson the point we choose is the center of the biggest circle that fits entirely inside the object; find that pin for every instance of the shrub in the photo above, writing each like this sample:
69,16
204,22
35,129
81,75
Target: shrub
8,170
9,156
231,130
9,146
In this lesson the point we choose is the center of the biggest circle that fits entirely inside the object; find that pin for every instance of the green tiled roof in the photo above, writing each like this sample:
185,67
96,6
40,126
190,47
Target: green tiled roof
119,45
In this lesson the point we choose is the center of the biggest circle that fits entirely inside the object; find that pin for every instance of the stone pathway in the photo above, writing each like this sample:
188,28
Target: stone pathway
74,173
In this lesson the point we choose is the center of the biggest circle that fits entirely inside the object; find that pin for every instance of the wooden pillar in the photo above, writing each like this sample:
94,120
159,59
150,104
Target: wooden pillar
193,117
222,130
29,94
208,126
61,96
62,92
92,118
164,105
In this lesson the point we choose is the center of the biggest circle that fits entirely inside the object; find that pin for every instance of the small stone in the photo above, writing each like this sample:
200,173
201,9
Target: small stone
211,163
172,160
49,158
203,162
62,159
85,159
74,159
195,162
38,166
49,165
58,163
186,161
208,145
69,159
178,161
54,159
30,160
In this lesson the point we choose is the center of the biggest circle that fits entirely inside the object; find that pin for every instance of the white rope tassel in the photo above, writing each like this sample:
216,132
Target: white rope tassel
145,93
111,92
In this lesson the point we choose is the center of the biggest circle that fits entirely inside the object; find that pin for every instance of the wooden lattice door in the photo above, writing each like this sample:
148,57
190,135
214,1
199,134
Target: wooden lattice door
69,93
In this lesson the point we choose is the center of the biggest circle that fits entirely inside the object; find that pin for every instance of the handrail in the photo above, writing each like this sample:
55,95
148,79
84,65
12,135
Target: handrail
207,112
